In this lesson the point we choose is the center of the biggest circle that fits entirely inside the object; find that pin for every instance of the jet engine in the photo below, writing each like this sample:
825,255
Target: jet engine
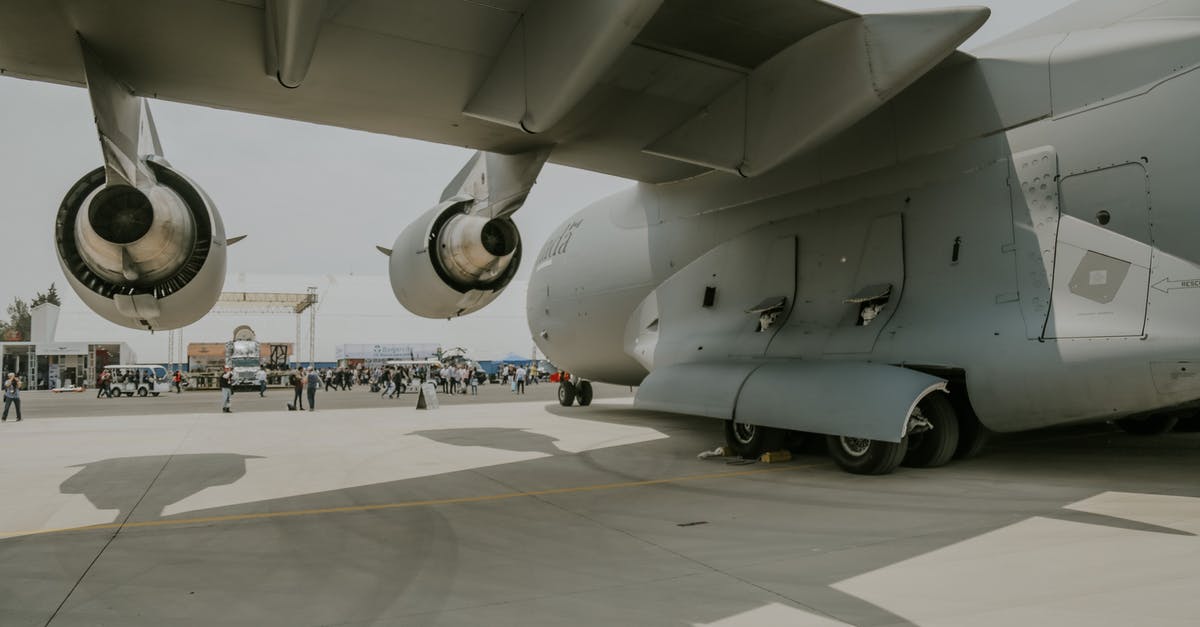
149,257
450,262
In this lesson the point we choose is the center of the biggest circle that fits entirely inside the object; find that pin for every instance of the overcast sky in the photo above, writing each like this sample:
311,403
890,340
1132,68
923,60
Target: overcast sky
313,199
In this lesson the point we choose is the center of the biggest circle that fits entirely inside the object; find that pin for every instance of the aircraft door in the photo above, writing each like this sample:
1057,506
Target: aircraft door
1102,255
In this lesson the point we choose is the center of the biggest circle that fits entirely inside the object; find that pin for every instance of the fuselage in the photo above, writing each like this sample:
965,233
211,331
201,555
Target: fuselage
1045,236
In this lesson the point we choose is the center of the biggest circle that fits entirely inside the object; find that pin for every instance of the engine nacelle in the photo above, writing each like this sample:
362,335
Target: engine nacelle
148,257
451,263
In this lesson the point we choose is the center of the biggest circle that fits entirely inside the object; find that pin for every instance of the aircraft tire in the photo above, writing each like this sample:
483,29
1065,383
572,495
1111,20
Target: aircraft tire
972,435
1155,424
566,393
751,441
936,447
584,395
860,456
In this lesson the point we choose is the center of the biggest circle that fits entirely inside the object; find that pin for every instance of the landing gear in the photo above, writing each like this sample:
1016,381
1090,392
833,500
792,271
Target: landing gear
972,435
933,433
861,456
1155,424
932,440
751,441
569,392
584,394
566,393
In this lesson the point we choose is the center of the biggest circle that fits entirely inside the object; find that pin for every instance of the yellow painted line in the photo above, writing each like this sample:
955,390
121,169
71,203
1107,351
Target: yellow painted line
174,522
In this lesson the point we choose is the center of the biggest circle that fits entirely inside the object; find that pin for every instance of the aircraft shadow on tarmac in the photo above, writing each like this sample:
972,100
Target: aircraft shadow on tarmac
151,483
509,439
418,559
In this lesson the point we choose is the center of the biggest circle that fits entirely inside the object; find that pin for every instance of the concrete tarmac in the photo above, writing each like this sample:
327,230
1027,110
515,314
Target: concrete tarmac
489,511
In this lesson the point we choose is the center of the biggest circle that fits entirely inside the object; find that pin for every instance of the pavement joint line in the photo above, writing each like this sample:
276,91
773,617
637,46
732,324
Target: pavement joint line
404,504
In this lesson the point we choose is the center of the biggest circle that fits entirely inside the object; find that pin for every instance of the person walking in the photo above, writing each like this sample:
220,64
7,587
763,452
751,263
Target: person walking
226,382
12,396
314,382
260,378
520,379
103,386
297,381
386,382
399,380
177,380
474,380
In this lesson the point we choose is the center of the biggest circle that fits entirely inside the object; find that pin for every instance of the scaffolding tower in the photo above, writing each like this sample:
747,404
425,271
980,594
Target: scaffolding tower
261,303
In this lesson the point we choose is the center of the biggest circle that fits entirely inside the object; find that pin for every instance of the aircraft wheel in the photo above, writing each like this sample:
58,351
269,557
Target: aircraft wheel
142,392
861,456
972,435
935,447
751,441
566,393
1155,424
585,393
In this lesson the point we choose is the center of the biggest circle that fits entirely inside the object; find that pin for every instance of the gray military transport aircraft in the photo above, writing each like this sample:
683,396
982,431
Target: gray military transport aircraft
843,225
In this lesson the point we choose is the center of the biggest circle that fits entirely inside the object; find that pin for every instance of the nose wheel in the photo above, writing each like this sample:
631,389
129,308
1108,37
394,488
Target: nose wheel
569,393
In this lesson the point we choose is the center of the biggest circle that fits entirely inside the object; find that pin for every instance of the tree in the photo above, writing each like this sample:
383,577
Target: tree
19,321
51,296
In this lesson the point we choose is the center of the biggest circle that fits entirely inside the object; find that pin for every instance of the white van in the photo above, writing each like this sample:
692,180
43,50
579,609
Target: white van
140,379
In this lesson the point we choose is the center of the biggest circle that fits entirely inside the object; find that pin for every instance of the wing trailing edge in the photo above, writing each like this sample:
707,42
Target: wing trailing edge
555,55
816,88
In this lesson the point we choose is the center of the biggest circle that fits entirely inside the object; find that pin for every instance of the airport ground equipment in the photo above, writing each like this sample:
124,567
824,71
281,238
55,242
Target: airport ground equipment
137,380
243,355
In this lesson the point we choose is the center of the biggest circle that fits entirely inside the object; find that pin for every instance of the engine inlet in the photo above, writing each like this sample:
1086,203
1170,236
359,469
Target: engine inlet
121,214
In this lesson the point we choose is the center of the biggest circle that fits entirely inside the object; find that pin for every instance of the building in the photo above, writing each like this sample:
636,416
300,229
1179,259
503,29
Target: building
44,362
373,355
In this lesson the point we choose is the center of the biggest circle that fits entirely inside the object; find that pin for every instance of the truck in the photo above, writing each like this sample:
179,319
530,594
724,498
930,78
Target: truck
244,356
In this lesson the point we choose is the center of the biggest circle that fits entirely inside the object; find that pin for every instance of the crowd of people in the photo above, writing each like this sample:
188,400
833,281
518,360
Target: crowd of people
388,381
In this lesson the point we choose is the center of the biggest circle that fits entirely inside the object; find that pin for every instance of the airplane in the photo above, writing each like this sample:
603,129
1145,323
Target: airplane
843,225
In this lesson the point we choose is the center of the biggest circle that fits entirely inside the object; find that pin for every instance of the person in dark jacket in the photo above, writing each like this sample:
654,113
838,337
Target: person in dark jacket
12,395
297,381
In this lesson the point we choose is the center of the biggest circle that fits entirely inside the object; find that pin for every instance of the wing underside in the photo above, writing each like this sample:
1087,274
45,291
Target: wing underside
644,89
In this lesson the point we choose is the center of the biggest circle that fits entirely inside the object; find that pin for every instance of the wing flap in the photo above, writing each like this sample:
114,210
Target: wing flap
816,88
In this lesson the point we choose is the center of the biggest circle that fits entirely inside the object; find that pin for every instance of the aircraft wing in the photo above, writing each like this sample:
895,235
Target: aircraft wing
652,90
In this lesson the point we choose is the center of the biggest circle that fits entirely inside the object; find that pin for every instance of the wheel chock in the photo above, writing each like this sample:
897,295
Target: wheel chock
774,457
